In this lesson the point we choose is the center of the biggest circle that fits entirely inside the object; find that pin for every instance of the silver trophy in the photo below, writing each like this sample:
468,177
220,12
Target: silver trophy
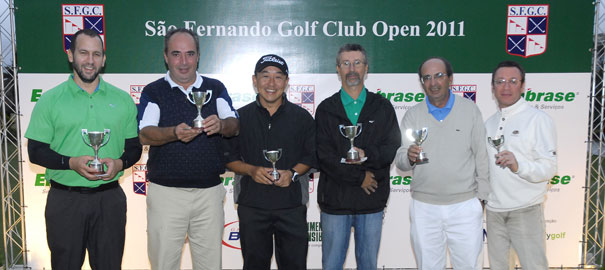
273,156
199,99
496,142
351,132
418,136
96,139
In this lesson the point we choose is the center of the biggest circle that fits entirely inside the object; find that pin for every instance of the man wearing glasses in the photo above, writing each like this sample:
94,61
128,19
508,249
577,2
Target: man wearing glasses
448,190
354,193
519,173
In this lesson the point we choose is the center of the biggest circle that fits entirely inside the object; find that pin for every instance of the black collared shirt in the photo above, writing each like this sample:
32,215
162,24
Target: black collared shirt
290,128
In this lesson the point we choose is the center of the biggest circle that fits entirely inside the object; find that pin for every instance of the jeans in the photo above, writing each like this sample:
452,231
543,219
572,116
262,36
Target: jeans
336,232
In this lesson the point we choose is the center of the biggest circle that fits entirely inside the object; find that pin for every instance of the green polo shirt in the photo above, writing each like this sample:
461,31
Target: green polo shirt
353,106
62,112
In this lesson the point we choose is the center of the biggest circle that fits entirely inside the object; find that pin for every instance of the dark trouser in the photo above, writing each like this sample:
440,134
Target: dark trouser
86,219
257,227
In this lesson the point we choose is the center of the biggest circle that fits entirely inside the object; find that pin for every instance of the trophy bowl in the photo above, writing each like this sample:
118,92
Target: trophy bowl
273,156
199,99
496,142
351,132
96,140
418,136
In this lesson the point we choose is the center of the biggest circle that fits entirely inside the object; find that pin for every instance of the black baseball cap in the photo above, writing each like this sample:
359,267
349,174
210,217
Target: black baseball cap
271,60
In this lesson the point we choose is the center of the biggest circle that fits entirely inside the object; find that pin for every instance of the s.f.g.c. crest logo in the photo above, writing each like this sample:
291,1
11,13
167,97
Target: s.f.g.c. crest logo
526,29
77,17
139,179
135,93
468,91
304,96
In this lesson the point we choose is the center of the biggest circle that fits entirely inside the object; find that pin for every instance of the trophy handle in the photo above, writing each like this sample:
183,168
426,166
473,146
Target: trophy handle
425,133
208,96
265,155
340,127
190,98
280,152
84,135
107,133
358,129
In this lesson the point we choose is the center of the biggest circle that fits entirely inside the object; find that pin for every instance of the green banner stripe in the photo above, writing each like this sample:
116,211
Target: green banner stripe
398,35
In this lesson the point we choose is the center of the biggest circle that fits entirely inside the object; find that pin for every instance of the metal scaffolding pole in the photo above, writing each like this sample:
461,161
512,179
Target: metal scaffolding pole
592,251
13,224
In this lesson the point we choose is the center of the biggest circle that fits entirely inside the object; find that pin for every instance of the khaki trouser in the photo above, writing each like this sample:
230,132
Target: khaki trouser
522,230
176,213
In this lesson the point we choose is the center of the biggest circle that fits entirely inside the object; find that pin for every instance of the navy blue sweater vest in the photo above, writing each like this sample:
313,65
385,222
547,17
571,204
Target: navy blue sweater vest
196,164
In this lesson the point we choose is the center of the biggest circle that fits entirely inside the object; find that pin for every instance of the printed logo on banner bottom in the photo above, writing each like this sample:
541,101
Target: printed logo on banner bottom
314,232
468,91
526,29
77,17
139,179
304,96
231,235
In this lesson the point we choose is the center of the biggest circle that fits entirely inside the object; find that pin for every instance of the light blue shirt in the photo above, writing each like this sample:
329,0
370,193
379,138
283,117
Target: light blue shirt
441,113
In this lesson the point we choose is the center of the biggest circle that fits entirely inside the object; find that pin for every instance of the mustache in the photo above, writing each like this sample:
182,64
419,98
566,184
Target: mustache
352,74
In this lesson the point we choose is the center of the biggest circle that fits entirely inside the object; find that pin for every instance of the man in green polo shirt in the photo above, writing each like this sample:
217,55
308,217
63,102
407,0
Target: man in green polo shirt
354,194
85,208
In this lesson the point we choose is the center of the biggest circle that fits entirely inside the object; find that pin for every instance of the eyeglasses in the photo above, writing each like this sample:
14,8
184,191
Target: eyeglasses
439,76
346,63
502,82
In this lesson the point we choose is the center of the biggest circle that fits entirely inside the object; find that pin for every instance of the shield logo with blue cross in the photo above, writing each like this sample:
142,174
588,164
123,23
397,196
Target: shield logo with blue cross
139,179
468,91
526,30
304,96
77,17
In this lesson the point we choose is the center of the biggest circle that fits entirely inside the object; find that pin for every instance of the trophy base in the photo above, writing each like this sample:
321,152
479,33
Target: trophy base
422,161
275,175
197,124
99,168
352,161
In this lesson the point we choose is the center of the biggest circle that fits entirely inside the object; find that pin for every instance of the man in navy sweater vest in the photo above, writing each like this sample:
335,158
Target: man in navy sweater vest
185,195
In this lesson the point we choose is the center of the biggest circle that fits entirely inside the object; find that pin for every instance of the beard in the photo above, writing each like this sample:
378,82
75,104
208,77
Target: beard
83,77
353,78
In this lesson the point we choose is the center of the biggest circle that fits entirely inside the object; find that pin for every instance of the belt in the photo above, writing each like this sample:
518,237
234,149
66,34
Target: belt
103,187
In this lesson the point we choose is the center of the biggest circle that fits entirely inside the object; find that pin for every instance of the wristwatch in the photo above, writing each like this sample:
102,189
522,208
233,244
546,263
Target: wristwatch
294,175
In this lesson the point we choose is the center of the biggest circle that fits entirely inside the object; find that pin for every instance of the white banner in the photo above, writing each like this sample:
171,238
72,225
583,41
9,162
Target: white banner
564,96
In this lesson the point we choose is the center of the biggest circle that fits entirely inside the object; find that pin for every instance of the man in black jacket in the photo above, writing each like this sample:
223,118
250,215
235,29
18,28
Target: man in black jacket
272,206
354,194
